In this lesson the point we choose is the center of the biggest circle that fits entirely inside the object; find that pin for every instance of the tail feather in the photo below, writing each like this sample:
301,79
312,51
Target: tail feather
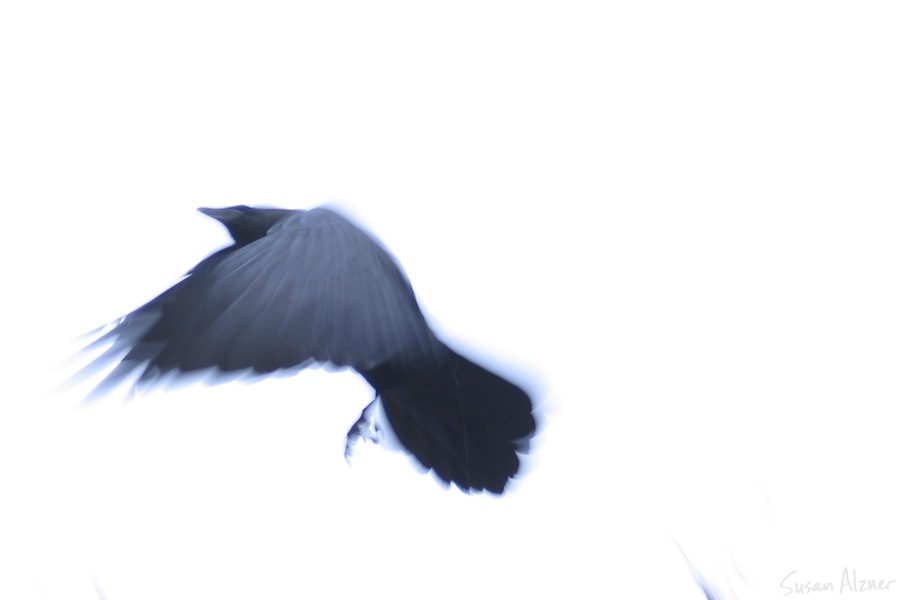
461,420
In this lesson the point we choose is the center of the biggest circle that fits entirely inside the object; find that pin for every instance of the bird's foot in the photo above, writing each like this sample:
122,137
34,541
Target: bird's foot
365,428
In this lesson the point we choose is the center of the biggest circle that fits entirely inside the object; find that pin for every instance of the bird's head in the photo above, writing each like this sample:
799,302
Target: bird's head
247,224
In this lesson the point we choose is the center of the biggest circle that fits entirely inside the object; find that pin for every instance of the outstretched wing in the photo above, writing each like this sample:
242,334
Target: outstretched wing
315,288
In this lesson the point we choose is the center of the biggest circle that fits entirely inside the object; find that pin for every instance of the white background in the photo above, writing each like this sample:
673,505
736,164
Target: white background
675,223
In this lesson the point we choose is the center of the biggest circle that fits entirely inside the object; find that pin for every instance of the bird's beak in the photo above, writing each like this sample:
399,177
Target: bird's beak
223,215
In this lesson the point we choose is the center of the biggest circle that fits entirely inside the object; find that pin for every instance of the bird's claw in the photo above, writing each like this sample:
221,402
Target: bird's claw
365,428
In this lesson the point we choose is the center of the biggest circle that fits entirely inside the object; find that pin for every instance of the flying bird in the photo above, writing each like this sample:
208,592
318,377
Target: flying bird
299,287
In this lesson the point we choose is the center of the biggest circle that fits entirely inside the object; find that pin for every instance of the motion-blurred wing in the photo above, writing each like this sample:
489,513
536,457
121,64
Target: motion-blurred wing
315,288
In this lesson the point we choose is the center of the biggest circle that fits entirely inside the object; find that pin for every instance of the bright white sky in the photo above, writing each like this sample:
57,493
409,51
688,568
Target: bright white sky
675,222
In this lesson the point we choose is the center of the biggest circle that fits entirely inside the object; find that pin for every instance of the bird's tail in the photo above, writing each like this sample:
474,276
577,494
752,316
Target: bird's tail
461,420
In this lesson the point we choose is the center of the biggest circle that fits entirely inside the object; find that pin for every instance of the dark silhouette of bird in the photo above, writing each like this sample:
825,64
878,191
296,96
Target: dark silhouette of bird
299,287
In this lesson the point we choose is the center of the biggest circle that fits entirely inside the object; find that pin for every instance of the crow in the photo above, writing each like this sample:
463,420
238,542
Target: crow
302,287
